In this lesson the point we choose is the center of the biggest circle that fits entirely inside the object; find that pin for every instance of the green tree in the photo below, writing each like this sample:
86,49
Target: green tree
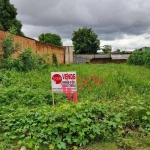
8,15
8,45
85,41
107,49
118,50
50,39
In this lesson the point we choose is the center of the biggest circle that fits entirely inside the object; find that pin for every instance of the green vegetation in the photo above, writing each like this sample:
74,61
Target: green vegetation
8,45
50,38
55,60
8,17
85,41
140,58
107,49
26,61
117,112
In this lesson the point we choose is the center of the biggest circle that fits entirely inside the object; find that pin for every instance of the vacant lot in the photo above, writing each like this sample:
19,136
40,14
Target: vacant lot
111,115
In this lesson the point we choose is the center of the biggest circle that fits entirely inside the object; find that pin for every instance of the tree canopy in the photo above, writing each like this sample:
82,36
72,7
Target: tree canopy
50,38
8,18
107,49
85,41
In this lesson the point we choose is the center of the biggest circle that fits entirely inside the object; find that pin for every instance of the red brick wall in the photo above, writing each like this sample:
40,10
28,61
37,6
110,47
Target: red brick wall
36,46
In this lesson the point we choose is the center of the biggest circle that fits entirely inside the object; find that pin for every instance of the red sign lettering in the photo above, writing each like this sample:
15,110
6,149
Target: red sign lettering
68,76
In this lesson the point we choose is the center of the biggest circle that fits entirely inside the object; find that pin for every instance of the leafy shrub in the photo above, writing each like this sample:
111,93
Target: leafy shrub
7,63
55,60
136,58
27,61
140,58
62,126
147,58
68,124
8,45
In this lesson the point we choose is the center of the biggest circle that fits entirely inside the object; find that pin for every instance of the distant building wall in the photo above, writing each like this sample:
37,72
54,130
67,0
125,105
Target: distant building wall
36,46
145,48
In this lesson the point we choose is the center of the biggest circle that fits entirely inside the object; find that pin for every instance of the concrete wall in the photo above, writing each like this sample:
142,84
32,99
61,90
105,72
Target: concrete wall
107,60
68,54
100,58
36,46
85,58
120,56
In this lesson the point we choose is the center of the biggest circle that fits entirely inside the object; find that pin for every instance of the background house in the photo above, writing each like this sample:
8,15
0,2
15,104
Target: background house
144,48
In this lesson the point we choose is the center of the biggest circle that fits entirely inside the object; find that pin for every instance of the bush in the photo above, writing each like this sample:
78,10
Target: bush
62,126
25,62
7,63
136,58
140,58
8,45
146,58
55,61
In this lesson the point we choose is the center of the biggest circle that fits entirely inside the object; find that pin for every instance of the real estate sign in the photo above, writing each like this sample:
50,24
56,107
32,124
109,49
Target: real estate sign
61,80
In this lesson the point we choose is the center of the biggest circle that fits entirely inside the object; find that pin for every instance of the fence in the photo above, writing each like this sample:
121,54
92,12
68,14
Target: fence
36,46
79,60
100,58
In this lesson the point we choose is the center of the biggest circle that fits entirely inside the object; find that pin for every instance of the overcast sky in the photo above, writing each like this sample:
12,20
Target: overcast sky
123,24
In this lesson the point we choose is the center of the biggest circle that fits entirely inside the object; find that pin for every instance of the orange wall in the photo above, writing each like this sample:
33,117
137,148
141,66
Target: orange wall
37,47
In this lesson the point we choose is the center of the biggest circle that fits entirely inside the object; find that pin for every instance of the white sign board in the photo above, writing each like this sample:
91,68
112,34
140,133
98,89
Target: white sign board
61,80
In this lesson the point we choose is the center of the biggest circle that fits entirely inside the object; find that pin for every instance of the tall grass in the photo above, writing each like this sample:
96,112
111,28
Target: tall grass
108,112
